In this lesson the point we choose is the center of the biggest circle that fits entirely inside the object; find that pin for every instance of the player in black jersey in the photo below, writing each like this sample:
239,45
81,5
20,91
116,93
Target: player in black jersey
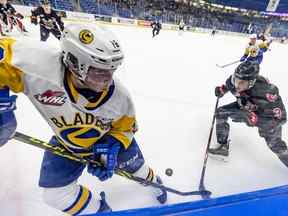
9,18
181,27
156,27
258,104
49,21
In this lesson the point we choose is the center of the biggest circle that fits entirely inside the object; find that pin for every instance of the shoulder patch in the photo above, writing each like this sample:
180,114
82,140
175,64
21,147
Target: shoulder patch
271,97
2,53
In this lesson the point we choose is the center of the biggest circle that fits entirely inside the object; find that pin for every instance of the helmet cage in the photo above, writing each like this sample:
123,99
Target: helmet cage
250,82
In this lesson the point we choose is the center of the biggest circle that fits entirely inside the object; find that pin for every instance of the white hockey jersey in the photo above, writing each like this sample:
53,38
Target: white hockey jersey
36,69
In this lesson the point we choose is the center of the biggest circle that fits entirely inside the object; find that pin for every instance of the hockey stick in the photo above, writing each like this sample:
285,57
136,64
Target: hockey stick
226,65
201,184
62,152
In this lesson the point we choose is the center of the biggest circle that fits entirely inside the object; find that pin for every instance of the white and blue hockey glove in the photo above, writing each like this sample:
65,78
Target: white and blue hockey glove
108,154
8,122
243,58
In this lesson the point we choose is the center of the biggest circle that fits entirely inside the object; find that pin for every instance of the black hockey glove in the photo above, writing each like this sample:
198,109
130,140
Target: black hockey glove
33,20
220,91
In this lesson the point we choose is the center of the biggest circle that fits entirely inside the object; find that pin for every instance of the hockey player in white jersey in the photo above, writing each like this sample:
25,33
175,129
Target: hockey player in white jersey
255,49
90,112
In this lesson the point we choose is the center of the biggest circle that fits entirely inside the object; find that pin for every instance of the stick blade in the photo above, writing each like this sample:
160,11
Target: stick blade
219,66
205,194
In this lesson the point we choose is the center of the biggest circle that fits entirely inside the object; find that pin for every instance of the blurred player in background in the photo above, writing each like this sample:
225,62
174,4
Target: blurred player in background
181,27
9,18
156,27
255,49
49,22
283,40
214,31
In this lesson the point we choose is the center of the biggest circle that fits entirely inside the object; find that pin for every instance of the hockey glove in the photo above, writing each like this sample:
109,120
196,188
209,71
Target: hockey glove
243,58
8,122
220,91
108,154
33,20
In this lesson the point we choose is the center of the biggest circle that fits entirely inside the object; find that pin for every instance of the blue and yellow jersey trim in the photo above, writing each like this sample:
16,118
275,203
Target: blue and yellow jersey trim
74,95
10,75
81,202
123,130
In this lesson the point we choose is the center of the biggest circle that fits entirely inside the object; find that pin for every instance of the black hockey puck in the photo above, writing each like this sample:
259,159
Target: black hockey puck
169,172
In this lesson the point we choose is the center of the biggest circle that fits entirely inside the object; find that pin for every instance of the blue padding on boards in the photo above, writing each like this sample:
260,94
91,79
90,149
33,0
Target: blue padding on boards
268,202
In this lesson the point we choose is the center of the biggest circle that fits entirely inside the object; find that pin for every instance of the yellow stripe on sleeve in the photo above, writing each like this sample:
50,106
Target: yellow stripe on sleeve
10,75
125,124
123,129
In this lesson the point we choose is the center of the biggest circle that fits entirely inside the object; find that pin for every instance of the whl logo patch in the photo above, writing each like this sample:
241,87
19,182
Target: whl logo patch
54,98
